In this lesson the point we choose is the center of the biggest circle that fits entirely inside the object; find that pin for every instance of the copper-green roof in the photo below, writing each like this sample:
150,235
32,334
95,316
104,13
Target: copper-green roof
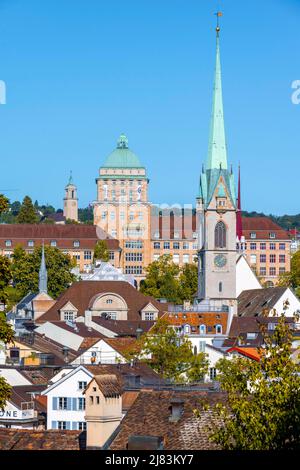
122,156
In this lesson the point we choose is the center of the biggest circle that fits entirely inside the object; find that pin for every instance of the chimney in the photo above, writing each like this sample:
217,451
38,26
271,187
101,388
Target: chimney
176,408
88,319
103,412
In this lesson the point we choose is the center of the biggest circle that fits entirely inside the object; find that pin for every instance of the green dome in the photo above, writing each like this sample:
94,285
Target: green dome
122,157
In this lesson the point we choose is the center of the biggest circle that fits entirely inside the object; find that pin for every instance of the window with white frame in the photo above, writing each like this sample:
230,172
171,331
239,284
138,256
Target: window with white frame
81,404
252,246
166,245
186,258
212,373
112,315
82,385
87,254
252,234
186,245
253,259
176,234
218,329
109,301
7,242
68,315
272,246
156,245
176,246
81,426
30,243
272,235
62,425
281,246
187,329
202,329
155,256
262,246
149,316
202,345
62,403
176,259
53,243
76,243
156,235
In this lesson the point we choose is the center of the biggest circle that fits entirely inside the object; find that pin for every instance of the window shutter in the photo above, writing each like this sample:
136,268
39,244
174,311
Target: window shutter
74,425
69,403
74,403
68,425
54,403
53,425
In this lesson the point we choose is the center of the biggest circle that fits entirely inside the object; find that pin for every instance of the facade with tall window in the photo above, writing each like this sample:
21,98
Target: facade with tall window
267,248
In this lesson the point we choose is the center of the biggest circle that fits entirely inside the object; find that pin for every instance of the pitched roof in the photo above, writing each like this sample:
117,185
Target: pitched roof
124,327
28,439
263,226
149,416
109,385
195,319
65,235
23,393
83,293
122,345
255,301
252,353
125,371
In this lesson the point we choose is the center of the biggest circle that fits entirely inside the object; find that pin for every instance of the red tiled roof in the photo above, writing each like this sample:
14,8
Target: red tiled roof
263,226
64,235
81,293
195,319
28,439
252,353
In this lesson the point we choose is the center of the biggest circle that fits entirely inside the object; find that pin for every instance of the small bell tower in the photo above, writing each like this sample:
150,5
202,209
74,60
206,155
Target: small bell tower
71,201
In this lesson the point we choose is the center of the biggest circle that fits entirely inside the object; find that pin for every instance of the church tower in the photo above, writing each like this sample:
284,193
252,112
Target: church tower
43,276
216,210
71,201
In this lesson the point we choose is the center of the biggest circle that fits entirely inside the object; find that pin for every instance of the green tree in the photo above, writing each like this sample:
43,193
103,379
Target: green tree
292,278
6,336
25,270
27,214
5,277
101,251
162,280
172,356
263,411
188,281
4,204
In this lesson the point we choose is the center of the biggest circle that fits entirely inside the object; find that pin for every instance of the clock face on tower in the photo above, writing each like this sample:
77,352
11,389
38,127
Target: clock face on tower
220,261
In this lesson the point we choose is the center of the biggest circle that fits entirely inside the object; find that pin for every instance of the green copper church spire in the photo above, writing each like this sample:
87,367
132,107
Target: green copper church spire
217,155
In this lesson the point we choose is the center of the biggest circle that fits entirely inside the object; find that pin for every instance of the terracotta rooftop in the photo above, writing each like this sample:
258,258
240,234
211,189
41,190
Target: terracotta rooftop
21,439
82,294
263,226
109,384
252,353
195,319
149,416
65,235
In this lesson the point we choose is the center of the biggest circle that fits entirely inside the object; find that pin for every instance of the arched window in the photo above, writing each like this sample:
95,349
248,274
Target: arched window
219,329
220,235
202,329
187,329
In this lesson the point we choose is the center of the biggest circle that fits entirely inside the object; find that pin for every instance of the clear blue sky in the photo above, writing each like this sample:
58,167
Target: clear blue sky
78,73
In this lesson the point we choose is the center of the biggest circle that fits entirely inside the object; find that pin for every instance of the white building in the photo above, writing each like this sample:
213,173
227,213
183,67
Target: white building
245,277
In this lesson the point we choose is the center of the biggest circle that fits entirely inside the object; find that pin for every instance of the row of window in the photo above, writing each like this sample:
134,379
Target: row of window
176,258
31,243
272,271
132,216
114,182
187,329
175,234
74,425
176,245
133,269
271,235
69,403
135,244
263,246
133,257
263,258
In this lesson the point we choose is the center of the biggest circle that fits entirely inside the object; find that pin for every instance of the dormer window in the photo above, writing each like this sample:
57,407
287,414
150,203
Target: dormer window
76,244
272,235
202,329
187,329
109,301
218,329
7,242
252,234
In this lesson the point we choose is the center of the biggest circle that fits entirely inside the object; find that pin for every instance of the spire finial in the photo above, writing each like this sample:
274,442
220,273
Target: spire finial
218,14
122,142
71,178
43,277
